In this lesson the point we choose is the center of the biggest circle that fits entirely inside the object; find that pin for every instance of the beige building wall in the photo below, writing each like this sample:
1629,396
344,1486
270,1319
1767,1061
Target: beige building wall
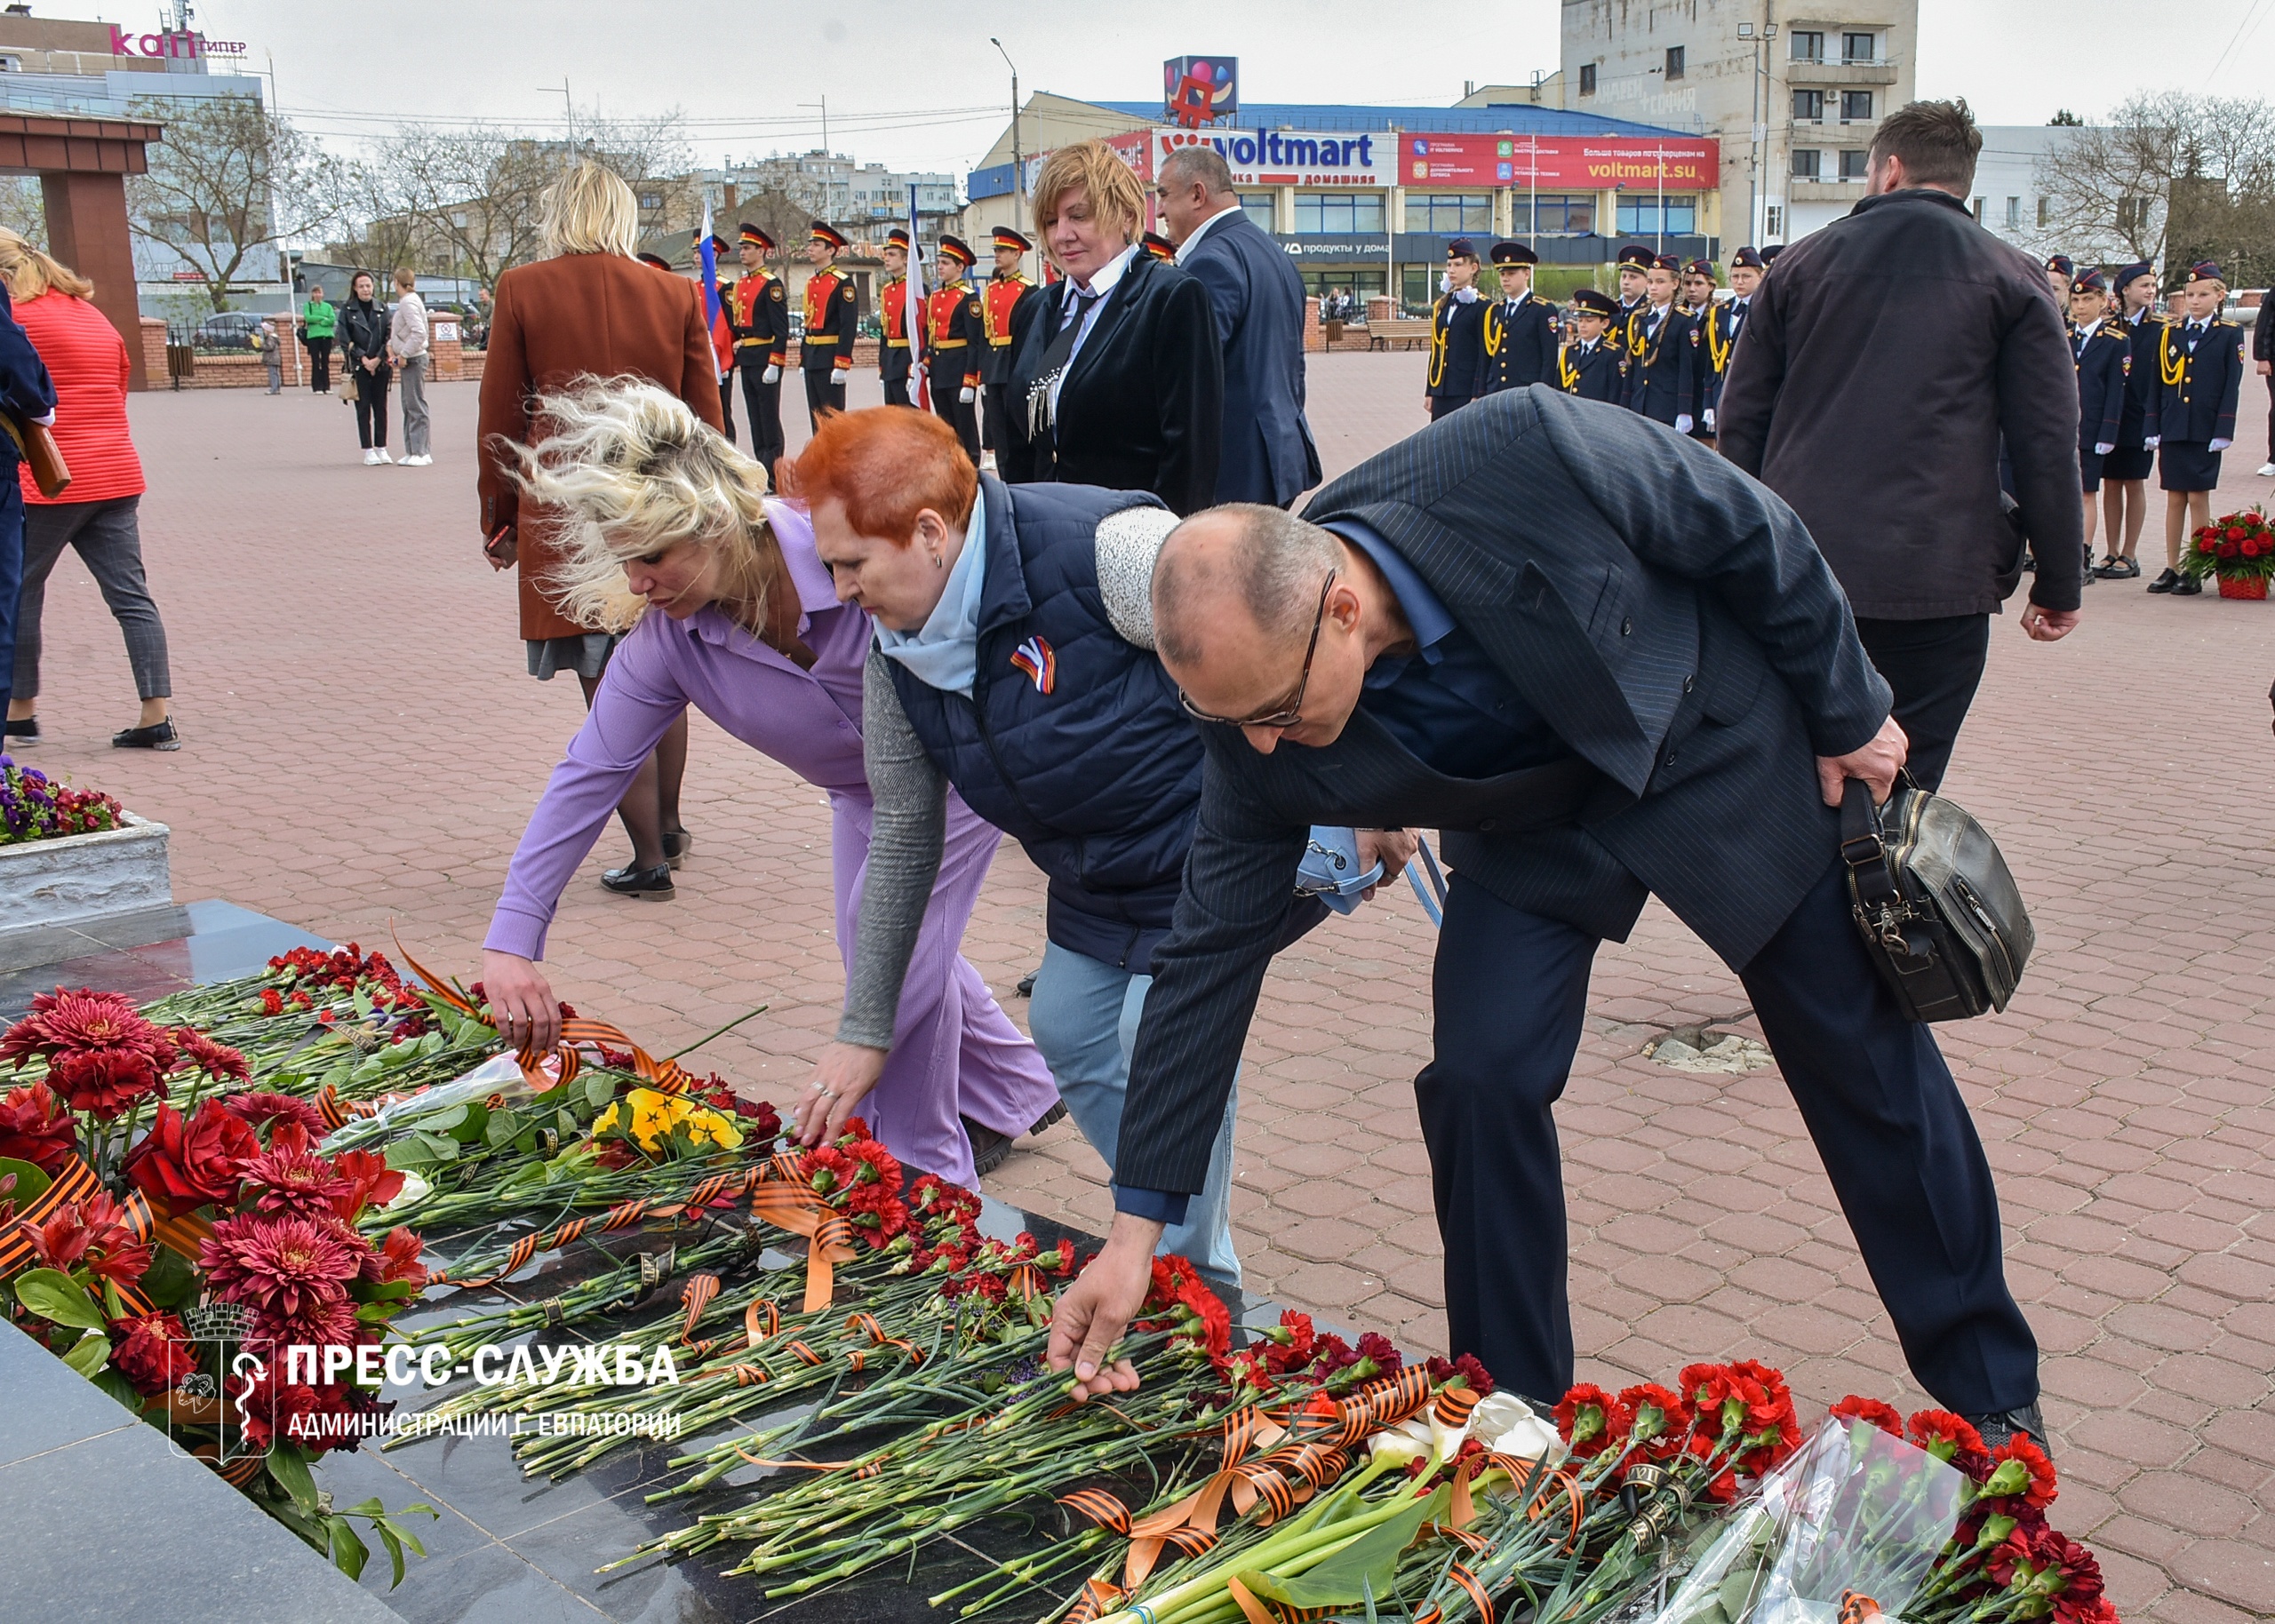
1857,62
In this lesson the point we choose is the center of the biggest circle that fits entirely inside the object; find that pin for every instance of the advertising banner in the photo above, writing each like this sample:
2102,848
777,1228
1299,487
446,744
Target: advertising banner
1200,90
1306,158
1560,163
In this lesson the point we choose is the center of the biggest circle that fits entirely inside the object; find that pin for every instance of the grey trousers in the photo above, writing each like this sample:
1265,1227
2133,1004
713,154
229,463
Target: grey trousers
412,377
109,543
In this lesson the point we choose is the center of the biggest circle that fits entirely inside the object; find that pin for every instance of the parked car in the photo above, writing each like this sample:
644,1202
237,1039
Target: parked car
229,329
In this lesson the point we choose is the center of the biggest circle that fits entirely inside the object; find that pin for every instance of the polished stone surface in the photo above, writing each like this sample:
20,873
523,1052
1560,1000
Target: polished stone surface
144,955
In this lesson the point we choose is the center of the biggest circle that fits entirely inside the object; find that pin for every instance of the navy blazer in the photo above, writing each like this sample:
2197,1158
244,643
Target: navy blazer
1665,614
2104,361
1661,371
1520,343
1258,295
2197,393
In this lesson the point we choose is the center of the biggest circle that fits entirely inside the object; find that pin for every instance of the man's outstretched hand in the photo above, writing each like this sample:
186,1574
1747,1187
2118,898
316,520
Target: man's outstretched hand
1877,764
1093,1312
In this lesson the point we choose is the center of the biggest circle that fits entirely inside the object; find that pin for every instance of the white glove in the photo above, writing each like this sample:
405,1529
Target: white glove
2222,445
837,379
2152,443
913,387
2104,448
1710,420
1683,423
968,395
772,374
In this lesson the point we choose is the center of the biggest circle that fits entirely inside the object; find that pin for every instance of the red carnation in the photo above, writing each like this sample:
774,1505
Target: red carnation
261,1109
90,1234
1952,1438
828,1169
1293,1344
874,1165
272,1001
35,1128
1381,1352
1886,1417
370,1183
1658,1419
1591,1419
875,1213
2042,1486
183,1165
289,1177
1465,1369
156,1353
283,1265
1723,1487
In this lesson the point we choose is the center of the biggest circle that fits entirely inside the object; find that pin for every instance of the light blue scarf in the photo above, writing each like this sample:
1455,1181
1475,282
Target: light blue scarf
944,652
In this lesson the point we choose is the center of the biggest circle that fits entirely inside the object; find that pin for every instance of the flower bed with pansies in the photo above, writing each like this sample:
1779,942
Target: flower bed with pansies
33,807
191,1191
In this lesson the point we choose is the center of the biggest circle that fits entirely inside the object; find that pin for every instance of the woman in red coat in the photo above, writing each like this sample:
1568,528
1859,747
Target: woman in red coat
588,308
97,514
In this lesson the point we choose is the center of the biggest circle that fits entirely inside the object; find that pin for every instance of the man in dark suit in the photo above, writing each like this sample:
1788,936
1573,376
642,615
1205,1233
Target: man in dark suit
1607,666
1258,297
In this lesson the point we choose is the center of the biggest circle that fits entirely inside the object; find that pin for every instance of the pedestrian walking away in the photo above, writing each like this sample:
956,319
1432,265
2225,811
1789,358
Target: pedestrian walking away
364,335
1670,704
2200,364
316,319
833,312
1850,342
407,333
96,514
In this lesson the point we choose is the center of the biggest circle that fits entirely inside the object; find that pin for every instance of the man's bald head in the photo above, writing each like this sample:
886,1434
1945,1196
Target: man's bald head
1264,565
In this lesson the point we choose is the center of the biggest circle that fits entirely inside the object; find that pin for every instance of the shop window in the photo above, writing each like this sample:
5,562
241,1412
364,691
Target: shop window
1449,213
1553,215
1258,207
1640,216
1337,213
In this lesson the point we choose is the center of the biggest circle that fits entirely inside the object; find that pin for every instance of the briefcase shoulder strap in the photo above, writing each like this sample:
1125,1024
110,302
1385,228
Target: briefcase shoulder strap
1861,847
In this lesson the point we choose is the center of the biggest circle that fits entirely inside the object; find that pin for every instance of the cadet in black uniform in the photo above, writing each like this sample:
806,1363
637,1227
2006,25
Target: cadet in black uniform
1007,305
1591,366
2200,365
832,311
1634,263
1660,355
1457,334
954,339
2125,471
2061,273
1711,333
758,313
1519,331
2104,356
893,321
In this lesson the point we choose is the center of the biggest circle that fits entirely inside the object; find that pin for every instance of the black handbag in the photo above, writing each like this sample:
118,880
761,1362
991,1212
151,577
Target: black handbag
1941,916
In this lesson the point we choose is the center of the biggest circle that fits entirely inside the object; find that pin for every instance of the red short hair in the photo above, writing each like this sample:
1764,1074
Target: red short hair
886,465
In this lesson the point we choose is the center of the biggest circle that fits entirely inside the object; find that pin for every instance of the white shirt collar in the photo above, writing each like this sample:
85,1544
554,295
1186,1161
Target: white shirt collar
1109,275
2087,331
1184,249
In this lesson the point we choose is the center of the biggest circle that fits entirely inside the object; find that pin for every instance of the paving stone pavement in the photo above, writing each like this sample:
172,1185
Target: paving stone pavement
364,747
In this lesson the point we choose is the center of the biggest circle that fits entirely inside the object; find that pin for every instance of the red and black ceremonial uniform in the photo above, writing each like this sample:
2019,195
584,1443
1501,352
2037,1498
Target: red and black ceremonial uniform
955,341
893,342
833,320
1008,305
758,314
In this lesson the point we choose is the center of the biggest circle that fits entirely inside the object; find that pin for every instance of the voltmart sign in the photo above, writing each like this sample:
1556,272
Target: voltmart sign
181,44
1286,157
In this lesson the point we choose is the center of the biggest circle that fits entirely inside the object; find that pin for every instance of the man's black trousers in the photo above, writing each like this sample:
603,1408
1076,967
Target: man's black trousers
763,411
1935,667
822,395
727,408
1873,1091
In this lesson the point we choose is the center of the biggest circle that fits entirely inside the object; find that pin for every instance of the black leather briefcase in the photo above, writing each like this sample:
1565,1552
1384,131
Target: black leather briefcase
1940,914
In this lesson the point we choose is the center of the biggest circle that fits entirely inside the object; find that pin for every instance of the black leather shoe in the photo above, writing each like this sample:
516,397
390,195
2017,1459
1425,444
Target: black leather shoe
23,731
654,883
161,737
989,1147
1058,1114
677,844
2167,582
2188,586
2002,1427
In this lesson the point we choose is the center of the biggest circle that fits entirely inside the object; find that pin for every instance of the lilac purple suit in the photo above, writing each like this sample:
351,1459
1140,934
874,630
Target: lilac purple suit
955,1052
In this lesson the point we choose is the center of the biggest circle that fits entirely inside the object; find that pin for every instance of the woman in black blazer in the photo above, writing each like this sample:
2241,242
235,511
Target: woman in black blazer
1137,401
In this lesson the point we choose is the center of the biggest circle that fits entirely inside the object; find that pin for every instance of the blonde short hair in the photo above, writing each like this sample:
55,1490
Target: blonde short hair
629,471
590,210
30,271
1096,168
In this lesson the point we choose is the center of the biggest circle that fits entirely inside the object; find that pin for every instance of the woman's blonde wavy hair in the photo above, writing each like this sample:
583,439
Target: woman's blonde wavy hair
629,471
30,271
589,211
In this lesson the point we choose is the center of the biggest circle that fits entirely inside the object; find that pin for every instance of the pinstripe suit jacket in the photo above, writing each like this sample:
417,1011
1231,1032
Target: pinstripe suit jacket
1666,615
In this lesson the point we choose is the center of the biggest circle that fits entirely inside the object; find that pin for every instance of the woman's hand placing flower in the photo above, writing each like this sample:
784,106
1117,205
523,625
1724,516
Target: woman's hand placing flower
843,1077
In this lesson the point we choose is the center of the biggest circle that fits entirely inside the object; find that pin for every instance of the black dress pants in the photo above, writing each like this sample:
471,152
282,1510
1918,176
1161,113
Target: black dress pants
822,395
763,411
1872,1088
1934,666
1444,406
995,417
371,405
961,415
727,408
319,364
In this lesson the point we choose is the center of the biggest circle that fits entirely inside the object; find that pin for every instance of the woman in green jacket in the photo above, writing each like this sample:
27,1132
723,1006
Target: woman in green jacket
318,317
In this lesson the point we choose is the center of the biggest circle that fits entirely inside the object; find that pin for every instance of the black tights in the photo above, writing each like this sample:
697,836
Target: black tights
650,810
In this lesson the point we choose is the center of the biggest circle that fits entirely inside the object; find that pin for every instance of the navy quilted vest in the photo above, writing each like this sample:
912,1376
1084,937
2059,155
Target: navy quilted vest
1072,742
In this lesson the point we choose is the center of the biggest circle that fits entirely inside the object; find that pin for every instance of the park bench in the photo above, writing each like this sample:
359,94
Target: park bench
1402,335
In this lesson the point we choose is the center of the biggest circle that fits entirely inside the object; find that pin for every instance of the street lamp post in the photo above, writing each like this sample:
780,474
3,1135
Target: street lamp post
1018,161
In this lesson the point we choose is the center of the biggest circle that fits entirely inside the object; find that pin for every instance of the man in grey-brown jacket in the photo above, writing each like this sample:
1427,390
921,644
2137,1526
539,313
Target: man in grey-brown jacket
1885,359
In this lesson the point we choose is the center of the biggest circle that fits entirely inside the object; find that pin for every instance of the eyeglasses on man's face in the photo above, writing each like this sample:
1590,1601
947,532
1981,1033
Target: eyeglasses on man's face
1292,712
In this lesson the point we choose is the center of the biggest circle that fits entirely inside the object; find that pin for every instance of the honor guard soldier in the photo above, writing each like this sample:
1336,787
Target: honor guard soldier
954,337
723,332
1154,244
2104,355
1007,307
1591,366
758,311
2200,365
832,311
2061,272
1661,357
1715,333
1519,331
893,369
1457,334
2125,471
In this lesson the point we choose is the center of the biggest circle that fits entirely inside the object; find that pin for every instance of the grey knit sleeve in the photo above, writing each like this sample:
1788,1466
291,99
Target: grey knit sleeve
911,796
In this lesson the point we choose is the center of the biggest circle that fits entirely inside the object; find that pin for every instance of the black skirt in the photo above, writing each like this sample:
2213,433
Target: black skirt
2089,464
2133,462
2187,465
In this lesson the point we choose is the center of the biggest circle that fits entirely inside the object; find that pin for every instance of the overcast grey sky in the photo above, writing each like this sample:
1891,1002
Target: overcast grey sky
915,82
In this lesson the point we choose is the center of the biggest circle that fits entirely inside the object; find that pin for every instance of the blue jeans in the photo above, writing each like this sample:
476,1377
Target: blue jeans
1084,1016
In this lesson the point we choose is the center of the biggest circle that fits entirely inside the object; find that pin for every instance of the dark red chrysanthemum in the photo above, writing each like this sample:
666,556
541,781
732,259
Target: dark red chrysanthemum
35,1128
261,1110
289,1177
218,1061
102,1055
156,1353
281,1264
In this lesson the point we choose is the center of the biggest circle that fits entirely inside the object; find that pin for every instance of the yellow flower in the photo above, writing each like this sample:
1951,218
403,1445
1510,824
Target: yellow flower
606,1120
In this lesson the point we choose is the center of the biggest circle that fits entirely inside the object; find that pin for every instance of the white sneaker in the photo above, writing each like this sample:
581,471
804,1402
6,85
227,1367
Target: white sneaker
371,457
420,461
2267,470
381,455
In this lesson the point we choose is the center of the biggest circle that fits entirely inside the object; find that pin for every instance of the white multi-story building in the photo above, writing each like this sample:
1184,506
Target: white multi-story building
1792,93
834,187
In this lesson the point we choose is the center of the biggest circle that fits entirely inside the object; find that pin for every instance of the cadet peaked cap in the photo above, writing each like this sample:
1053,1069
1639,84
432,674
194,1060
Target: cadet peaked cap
2062,263
1461,248
2131,273
1007,237
1772,252
1513,253
658,260
1158,245
756,238
1588,301
1638,256
1665,262
897,237
2088,281
822,231
957,249
2205,270
1750,258
1700,268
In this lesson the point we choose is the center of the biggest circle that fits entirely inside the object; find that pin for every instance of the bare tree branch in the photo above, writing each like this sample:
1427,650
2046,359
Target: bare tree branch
229,178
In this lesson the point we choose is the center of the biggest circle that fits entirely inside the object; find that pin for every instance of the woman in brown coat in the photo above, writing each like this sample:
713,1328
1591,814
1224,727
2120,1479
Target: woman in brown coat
589,307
